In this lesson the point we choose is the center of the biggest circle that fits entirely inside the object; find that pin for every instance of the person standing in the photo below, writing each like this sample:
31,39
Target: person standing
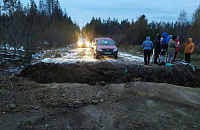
171,49
189,48
165,41
170,36
164,47
177,48
157,49
147,47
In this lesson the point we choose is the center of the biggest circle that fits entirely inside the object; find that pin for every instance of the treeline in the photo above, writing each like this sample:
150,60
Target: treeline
32,25
135,32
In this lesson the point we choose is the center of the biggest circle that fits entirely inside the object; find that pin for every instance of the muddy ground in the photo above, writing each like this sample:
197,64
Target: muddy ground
101,95
76,91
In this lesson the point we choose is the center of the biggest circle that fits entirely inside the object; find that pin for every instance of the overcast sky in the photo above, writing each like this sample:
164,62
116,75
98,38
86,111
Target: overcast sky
82,11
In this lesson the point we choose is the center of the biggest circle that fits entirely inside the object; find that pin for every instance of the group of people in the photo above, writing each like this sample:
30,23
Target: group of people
166,48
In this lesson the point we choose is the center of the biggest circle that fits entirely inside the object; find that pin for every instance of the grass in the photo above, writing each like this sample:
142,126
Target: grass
195,57
195,60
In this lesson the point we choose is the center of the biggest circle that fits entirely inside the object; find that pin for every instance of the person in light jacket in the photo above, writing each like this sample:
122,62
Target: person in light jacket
189,48
147,47
171,49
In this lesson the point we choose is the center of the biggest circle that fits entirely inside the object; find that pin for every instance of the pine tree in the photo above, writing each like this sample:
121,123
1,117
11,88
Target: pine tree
195,28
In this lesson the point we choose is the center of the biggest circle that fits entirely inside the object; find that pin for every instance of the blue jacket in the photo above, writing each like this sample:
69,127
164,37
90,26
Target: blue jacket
170,37
147,45
165,41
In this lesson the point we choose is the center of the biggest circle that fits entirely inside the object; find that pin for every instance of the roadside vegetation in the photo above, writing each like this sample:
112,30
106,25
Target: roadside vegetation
35,26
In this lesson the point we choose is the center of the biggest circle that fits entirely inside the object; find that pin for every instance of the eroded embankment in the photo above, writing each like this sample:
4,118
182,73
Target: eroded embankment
107,72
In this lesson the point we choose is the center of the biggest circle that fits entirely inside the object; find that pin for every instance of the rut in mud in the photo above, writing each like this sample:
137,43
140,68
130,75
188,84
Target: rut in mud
110,72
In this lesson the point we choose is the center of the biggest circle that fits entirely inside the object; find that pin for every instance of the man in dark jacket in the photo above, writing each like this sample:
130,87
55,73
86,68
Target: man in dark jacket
157,49
147,47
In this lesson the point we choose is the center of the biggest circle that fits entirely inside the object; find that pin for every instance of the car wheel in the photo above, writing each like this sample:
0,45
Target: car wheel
97,56
115,57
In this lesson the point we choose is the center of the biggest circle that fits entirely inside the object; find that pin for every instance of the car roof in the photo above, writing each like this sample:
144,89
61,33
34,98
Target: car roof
104,38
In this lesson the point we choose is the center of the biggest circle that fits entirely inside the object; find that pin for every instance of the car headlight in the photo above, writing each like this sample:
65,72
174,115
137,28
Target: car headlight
99,49
115,49
87,43
79,43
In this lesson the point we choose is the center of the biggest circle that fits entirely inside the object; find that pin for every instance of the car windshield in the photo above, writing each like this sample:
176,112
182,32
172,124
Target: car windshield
82,40
105,42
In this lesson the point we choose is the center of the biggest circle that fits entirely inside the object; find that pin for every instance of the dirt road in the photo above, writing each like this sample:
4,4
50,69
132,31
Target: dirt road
59,93
87,55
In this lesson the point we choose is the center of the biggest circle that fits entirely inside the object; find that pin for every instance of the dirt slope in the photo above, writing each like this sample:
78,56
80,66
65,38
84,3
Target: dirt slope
135,105
100,95
112,72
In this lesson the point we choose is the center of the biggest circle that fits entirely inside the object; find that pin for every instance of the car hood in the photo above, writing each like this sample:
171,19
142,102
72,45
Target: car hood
106,47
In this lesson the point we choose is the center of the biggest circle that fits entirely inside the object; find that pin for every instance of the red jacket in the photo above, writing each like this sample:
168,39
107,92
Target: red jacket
179,46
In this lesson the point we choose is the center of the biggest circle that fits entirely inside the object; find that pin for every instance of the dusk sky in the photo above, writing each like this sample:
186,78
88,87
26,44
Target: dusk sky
82,11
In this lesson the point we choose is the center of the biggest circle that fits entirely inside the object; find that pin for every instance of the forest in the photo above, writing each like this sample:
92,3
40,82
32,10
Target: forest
33,26
135,32
36,24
